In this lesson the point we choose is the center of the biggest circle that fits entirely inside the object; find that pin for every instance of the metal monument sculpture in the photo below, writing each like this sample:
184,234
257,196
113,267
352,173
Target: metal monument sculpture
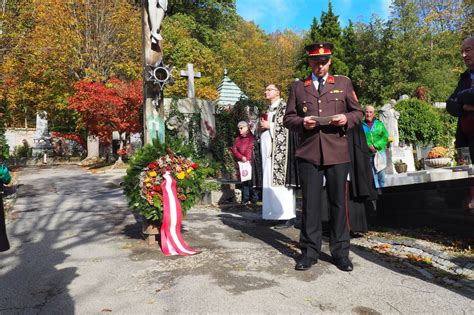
156,73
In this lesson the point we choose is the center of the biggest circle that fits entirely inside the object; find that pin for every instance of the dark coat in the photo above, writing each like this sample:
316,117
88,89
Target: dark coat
257,171
454,107
292,172
323,145
362,183
361,187
4,244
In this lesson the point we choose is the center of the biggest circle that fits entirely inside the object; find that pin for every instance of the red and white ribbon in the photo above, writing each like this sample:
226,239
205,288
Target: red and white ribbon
172,242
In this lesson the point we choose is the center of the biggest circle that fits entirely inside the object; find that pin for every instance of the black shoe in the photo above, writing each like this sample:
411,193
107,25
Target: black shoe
305,262
344,264
284,225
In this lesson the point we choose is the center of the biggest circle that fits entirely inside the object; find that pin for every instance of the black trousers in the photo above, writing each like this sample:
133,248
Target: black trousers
4,244
311,177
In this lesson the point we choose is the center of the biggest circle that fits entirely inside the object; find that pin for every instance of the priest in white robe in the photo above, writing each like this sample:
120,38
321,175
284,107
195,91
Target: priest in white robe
278,200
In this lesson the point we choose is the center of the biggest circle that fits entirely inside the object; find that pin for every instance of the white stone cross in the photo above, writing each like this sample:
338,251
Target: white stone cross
190,74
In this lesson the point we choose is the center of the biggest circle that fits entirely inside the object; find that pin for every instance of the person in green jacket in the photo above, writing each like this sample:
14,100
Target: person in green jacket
377,139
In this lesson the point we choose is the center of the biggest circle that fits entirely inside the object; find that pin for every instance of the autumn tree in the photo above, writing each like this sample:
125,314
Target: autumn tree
104,108
183,45
48,52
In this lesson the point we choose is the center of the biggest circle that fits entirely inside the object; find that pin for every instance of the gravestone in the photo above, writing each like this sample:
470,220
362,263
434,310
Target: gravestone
188,106
389,117
404,153
92,147
135,142
41,126
192,105
190,75
42,139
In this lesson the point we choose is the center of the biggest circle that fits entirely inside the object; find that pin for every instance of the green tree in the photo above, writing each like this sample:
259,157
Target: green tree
349,44
371,67
313,35
216,14
428,127
331,31
409,53
328,31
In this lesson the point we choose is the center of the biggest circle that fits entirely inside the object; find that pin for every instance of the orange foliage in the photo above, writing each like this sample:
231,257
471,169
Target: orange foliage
104,108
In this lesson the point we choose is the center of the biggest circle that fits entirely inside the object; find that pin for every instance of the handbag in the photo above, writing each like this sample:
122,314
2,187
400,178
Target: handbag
245,171
5,176
380,161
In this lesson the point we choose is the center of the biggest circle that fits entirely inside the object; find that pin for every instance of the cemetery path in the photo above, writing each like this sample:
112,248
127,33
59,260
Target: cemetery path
77,249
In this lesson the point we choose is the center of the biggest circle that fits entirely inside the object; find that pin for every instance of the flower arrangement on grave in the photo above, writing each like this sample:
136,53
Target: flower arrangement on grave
145,174
438,152
438,157
399,162
400,166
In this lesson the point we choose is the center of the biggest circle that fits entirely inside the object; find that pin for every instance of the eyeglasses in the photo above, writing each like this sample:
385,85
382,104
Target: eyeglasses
271,90
242,127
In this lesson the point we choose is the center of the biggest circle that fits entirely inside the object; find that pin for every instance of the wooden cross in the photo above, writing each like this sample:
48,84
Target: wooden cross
190,74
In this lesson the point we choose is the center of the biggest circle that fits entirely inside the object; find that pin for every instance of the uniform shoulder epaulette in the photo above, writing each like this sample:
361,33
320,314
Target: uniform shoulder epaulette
342,76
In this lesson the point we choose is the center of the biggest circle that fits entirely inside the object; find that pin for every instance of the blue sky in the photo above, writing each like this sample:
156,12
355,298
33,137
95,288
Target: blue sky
297,15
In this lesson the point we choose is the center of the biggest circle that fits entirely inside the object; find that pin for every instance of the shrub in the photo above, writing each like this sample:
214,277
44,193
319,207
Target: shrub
419,122
23,151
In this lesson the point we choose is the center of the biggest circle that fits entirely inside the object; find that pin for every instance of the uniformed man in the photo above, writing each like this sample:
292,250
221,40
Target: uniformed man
321,108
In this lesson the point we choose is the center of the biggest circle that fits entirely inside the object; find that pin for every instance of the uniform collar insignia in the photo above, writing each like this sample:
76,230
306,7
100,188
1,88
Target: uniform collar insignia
308,82
330,79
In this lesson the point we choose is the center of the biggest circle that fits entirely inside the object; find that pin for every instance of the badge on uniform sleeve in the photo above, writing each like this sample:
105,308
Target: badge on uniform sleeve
305,109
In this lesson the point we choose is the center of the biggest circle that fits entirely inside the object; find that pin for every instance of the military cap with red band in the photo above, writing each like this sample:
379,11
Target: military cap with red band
322,50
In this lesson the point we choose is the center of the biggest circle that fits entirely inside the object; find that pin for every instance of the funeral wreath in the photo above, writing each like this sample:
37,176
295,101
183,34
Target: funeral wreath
145,175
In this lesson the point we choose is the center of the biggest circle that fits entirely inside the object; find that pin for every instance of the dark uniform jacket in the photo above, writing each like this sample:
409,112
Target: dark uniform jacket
454,106
323,145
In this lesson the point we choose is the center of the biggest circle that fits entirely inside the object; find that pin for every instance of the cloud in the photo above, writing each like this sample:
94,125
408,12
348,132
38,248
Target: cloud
385,8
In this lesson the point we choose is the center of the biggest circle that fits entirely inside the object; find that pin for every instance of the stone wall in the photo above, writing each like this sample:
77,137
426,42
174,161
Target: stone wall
15,137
